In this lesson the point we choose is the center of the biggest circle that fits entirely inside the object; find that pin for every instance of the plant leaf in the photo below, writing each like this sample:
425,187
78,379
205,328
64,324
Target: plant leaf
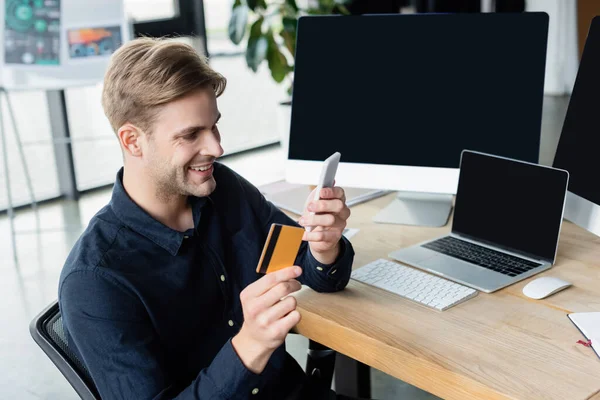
292,4
326,6
290,24
315,11
256,3
258,45
343,9
277,61
237,23
289,34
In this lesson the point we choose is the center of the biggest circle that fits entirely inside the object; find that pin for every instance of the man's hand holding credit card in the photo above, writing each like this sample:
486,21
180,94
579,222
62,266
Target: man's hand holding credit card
269,314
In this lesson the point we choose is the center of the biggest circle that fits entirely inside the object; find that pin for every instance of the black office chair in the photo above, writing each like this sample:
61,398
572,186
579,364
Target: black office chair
47,331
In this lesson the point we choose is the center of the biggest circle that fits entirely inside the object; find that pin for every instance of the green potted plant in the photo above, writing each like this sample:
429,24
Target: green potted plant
269,26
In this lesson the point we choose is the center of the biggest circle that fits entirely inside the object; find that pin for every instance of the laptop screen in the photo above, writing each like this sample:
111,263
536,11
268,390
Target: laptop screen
510,204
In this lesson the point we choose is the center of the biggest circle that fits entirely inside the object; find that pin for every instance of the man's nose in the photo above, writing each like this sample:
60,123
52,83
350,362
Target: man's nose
213,146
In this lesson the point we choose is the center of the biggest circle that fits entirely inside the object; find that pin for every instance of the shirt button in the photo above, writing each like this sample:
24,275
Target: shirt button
320,268
222,278
186,237
230,323
255,391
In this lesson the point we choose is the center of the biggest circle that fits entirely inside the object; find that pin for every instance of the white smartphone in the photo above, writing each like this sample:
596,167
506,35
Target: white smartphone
327,177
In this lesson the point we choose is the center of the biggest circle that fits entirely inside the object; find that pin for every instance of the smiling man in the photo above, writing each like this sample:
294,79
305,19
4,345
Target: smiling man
159,296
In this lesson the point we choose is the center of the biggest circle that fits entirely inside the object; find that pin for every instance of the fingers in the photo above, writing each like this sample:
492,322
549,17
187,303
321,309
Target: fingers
255,307
330,206
285,324
324,220
268,318
332,236
278,311
268,281
344,214
335,192
278,292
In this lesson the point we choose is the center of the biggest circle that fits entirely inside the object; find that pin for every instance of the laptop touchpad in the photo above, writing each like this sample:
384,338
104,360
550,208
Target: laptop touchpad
452,267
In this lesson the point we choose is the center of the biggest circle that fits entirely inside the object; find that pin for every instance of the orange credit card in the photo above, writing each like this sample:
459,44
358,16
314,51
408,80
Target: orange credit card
281,248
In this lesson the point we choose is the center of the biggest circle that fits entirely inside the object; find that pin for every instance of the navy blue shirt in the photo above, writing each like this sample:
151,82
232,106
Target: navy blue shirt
151,311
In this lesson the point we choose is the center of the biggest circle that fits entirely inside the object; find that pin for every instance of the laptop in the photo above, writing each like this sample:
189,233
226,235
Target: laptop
507,220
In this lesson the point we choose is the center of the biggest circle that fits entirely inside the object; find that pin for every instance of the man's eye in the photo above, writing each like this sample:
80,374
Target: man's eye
191,136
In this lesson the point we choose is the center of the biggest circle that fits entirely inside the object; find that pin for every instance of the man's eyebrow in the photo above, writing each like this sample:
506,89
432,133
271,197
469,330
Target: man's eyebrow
192,129
188,130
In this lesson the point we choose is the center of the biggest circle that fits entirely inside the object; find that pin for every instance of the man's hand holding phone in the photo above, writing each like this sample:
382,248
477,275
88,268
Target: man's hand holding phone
325,215
328,223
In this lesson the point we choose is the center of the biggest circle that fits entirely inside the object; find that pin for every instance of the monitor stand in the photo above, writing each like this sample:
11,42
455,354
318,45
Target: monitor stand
414,208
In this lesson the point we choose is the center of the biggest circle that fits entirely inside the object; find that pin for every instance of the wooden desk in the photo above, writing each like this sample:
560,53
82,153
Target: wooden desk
495,346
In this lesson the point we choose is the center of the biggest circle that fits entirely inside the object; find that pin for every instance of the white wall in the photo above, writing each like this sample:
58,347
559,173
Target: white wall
562,59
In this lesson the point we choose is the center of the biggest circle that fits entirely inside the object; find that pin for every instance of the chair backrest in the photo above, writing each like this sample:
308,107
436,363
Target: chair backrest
47,331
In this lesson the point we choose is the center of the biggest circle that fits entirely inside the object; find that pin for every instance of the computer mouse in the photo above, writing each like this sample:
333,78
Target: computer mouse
544,286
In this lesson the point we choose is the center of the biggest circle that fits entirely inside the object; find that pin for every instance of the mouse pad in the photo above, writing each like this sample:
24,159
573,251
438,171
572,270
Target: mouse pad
280,249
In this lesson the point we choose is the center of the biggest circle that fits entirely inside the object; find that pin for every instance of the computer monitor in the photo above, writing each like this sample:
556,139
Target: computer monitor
401,96
578,149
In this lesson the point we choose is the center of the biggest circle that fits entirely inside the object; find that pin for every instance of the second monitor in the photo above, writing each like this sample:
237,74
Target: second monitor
579,144
400,96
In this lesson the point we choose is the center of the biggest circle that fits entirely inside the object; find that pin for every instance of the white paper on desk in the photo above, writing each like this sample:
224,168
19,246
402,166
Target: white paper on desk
596,345
292,197
349,232
589,324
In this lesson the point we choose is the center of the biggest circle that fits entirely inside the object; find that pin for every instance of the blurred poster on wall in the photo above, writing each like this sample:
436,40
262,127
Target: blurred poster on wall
32,32
93,42
56,44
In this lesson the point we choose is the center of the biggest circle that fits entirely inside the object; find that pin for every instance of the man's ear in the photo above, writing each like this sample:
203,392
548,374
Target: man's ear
130,138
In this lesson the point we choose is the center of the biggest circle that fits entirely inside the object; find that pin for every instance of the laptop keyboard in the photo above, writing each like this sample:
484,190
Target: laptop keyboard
482,256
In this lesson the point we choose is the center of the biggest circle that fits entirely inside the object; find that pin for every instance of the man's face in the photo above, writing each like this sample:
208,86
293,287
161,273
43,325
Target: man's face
183,145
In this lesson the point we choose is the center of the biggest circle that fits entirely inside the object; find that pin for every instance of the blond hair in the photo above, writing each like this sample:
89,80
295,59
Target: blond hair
146,73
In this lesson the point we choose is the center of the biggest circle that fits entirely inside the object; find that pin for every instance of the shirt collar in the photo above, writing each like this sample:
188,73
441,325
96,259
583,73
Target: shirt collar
138,220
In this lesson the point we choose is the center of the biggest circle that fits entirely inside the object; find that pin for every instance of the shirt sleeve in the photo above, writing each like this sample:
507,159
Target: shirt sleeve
320,277
114,337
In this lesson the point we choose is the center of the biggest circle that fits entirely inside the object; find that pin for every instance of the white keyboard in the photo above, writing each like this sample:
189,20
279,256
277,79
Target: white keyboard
413,284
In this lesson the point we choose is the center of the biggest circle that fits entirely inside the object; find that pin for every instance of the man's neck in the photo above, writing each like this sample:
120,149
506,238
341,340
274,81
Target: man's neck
174,211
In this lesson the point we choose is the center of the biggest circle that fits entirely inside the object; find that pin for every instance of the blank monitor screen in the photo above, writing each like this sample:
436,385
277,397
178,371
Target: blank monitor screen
579,146
510,204
416,90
